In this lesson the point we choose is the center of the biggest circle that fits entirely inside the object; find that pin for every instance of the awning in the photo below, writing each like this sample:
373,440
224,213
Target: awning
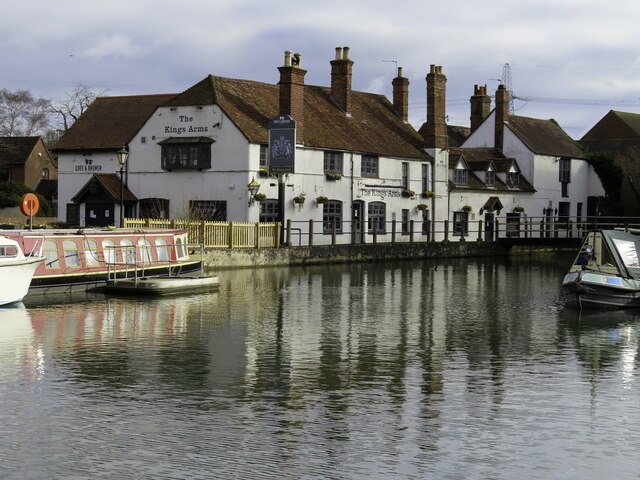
493,204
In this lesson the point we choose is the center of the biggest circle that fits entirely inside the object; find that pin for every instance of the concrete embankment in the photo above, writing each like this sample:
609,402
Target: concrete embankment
315,255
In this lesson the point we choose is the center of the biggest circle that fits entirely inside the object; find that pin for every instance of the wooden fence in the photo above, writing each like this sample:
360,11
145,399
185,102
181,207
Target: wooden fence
218,234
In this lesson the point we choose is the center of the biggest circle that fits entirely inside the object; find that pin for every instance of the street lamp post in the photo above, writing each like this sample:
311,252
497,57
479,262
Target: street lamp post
123,156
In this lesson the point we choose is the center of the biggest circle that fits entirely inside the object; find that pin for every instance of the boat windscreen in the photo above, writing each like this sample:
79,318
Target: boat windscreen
627,247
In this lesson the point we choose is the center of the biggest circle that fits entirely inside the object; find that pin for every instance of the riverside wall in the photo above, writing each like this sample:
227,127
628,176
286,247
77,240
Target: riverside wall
220,259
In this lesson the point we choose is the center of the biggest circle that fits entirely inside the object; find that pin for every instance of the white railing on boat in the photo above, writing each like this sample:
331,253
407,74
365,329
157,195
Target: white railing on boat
137,260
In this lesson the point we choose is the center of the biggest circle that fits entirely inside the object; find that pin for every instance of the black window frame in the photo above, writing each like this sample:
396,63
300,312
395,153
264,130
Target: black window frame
186,154
333,161
332,211
370,166
377,215
461,176
460,223
209,210
269,210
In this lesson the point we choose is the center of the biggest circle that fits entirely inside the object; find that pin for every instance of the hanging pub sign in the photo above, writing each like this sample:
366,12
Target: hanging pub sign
282,144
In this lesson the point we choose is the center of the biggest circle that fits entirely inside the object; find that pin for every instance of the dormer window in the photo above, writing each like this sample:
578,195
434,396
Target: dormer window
460,176
513,179
490,178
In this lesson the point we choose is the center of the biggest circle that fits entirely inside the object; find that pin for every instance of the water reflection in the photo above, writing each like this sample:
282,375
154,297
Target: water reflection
470,369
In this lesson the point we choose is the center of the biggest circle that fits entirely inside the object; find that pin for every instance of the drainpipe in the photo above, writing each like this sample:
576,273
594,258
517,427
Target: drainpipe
351,193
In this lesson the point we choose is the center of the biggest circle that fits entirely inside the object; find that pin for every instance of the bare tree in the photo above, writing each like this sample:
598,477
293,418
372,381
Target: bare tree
21,114
69,109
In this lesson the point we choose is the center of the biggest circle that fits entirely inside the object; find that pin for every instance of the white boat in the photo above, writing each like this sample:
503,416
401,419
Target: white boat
606,272
16,271
162,285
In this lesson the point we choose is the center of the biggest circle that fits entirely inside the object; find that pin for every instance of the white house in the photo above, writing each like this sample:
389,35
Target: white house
359,165
512,168
549,159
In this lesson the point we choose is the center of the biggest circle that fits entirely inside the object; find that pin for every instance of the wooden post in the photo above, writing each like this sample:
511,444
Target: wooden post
230,230
257,234
375,231
393,231
289,232
480,222
497,229
333,231
310,232
446,230
410,231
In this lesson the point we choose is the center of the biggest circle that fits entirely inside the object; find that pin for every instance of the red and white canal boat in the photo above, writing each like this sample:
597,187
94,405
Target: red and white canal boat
85,259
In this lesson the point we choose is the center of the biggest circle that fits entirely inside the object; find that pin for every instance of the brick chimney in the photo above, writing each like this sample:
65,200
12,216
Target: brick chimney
341,79
401,95
435,132
480,106
292,91
502,115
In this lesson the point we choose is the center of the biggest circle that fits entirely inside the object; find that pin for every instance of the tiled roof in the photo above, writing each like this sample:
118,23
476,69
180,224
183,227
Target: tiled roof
457,135
47,188
544,137
373,127
615,126
110,183
16,150
479,160
110,122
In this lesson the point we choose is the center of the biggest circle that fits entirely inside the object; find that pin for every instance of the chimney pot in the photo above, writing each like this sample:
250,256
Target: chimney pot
401,95
435,132
341,79
291,92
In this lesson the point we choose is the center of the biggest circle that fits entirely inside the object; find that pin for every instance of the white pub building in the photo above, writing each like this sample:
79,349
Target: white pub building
360,167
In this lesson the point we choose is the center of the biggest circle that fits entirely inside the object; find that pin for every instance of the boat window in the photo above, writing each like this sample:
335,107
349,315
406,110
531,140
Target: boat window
128,251
8,251
109,248
180,251
162,250
50,251
145,250
91,253
71,256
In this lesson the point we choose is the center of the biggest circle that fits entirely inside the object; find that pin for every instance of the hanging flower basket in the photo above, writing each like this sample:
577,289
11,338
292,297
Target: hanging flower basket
422,207
407,193
466,208
518,209
322,200
259,197
427,194
299,199
333,176
263,172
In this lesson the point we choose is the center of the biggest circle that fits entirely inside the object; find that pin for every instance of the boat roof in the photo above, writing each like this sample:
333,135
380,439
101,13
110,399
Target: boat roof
92,232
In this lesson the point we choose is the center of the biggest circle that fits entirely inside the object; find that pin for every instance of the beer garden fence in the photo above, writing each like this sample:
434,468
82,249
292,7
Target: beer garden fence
272,235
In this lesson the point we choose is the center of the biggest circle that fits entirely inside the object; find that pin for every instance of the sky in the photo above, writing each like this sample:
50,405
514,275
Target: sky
570,60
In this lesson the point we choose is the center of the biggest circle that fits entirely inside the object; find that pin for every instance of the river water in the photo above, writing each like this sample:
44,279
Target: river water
452,370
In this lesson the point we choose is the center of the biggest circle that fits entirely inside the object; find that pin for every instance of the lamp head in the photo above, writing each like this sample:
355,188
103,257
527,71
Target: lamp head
123,156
